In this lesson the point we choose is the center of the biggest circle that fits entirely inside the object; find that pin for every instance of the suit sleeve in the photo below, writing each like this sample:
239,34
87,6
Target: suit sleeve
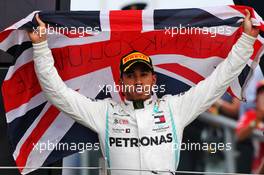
200,97
82,109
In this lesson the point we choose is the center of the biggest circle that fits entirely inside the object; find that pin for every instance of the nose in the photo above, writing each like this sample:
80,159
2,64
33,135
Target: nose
138,80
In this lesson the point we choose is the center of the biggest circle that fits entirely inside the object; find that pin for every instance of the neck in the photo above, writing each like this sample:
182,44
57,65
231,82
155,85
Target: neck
138,104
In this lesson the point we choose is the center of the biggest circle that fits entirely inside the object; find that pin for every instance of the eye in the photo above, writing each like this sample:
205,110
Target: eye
143,74
129,75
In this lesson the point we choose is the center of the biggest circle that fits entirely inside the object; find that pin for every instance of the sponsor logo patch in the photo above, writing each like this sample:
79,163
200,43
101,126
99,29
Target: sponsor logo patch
134,56
160,128
143,141
159,119
121,121
121,130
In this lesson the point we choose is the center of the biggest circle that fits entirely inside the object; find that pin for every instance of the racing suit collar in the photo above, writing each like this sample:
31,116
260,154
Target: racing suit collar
138,104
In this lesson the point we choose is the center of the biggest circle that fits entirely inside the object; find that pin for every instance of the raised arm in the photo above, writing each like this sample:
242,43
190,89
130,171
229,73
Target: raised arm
205,93
85,111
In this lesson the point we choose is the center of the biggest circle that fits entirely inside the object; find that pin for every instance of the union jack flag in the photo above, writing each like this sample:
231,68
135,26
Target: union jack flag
86,62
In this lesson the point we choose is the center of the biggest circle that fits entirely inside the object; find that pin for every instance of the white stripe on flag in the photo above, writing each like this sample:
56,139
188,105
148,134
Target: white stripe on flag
16,37
196,64
23,109
53,135
105,21
24,58
147,20
223,12
23,21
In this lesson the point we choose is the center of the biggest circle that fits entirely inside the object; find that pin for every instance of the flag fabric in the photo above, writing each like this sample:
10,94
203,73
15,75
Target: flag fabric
185,45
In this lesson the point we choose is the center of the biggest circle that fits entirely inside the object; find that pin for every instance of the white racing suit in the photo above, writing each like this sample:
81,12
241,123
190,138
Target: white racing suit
148,138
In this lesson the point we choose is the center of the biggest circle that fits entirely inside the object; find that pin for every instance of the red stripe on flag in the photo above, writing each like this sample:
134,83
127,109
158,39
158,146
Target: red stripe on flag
127,20
257,46
4,35
20,88
125,26
242,9
44,123
229,90
182,71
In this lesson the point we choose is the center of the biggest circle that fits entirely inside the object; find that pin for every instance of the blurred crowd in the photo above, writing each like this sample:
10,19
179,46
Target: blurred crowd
249,116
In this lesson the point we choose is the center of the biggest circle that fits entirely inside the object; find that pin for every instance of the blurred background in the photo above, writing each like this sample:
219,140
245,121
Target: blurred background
227,121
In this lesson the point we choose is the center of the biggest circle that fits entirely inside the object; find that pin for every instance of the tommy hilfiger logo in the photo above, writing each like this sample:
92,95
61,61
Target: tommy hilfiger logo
159,119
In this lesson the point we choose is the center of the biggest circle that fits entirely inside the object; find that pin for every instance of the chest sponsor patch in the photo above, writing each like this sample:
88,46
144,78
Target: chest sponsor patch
159,119
121,130
143,141
161,128
121,121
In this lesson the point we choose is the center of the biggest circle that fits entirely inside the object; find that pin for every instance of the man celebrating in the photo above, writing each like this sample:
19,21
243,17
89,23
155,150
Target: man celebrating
140,132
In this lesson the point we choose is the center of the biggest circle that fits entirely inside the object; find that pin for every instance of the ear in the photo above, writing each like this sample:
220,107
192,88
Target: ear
154,78
121,83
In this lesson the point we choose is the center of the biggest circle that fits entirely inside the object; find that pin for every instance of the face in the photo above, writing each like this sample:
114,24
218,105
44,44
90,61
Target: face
138,82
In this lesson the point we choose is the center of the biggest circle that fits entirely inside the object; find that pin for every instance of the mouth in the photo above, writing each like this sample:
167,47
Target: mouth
141,90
